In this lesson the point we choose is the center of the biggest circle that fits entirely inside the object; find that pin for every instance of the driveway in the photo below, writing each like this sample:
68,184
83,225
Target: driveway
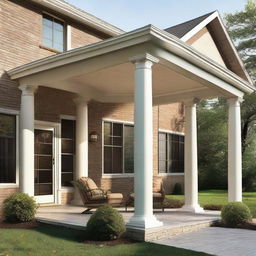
217,241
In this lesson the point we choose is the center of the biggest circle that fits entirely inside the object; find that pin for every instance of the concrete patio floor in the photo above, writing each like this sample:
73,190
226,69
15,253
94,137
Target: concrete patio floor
175,221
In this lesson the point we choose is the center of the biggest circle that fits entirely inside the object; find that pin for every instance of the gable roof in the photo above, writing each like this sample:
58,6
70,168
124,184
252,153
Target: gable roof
214,24
79,15
183,28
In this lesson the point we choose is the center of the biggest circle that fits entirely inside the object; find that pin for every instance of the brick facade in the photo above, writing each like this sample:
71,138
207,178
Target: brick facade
20,43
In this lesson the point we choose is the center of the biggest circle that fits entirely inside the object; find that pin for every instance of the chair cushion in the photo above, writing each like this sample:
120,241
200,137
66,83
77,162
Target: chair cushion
157,182
115,198
157,195
88,183
97,194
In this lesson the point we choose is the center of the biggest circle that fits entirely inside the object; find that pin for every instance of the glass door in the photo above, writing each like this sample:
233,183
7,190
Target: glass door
44,163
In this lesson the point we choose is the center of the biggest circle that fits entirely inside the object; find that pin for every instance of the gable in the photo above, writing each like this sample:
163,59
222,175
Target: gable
203,42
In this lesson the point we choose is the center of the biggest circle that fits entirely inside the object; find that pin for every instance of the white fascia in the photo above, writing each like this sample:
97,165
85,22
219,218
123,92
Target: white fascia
79,15
148,34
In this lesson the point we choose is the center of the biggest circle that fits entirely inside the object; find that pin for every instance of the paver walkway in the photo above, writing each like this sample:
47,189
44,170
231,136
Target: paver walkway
217,241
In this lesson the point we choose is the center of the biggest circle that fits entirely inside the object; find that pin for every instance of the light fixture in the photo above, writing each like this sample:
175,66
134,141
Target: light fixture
93,137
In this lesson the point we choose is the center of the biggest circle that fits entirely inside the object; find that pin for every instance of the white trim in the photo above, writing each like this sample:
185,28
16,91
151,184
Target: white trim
79,15
171,132
16,114
68,117
69,37
56,128
117,121
9,111
171,174
198,27
117,175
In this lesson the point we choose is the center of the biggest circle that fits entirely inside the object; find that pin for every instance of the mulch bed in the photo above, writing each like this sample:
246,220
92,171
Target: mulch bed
247,225
24,225
111,243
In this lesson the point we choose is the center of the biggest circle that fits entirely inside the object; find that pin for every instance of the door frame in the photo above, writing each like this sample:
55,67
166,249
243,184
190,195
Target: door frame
56,128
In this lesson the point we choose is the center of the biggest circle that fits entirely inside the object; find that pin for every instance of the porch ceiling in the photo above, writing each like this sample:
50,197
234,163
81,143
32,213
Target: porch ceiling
102,71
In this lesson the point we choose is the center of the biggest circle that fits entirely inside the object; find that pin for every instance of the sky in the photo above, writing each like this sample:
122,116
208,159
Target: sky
132,14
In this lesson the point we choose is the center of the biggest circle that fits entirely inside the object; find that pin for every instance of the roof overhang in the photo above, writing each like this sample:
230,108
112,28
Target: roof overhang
80,16
80,70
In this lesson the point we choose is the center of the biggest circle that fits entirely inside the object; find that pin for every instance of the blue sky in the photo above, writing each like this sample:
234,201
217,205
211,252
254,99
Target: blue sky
132,14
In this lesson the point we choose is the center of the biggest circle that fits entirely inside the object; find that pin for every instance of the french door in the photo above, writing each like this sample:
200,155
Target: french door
44,165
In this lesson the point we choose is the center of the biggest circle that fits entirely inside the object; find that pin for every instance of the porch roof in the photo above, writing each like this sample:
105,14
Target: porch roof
102,71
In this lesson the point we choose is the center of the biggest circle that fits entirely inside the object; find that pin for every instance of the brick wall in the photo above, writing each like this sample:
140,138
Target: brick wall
20,40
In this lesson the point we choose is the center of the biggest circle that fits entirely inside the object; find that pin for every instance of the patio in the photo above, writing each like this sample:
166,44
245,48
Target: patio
175,221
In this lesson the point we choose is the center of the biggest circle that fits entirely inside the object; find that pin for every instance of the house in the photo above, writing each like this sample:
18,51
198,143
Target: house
73,87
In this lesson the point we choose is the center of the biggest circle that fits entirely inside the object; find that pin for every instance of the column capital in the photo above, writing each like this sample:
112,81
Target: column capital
146,59
191,102
80,100
235,102
28,89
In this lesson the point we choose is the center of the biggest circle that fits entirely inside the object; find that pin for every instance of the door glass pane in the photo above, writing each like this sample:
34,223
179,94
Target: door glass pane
7,148
43,162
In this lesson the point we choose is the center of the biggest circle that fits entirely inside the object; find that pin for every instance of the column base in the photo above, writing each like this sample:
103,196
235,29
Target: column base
77,199
144,222
192,208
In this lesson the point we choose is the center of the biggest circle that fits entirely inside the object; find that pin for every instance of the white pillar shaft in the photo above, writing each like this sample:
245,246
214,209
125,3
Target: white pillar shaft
81,140
143,146
191,165
26,148
234,151
81,144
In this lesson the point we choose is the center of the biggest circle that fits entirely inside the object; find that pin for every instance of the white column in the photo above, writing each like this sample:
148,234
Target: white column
26,148
143,144
81,169
191,165
234,151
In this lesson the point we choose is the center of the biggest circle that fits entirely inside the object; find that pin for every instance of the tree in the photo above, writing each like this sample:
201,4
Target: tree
242,28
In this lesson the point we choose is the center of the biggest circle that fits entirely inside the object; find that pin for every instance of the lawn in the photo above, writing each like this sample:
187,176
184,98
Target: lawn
221,197
50,240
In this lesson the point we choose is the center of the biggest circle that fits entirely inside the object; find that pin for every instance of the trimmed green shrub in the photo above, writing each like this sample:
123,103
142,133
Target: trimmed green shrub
19,207
105,224
213,207
173,203
177,190
235,213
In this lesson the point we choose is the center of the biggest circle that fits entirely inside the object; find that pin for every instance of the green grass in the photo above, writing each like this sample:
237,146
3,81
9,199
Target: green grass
221,197
49,240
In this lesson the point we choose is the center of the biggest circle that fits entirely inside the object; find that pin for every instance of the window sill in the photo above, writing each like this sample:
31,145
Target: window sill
121,175
171,174
8,185
67,189
49,49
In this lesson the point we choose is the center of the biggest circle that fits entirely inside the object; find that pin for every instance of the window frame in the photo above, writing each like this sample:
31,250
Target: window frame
174,133
16,114
66,188
65,33
115,175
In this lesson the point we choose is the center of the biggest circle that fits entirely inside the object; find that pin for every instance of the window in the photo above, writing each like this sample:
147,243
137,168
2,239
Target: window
7,148
67,151
53,33
118,148
171,153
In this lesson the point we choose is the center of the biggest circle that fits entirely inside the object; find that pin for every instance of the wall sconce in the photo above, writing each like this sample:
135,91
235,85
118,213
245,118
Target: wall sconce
93,137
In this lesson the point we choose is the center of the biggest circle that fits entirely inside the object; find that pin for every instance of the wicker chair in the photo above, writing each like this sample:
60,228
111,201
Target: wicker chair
158,194
94,197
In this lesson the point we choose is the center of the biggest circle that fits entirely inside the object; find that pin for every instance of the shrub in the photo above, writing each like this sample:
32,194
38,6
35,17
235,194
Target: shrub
177,190
213,207
235,213
173,203
105,224
19,207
